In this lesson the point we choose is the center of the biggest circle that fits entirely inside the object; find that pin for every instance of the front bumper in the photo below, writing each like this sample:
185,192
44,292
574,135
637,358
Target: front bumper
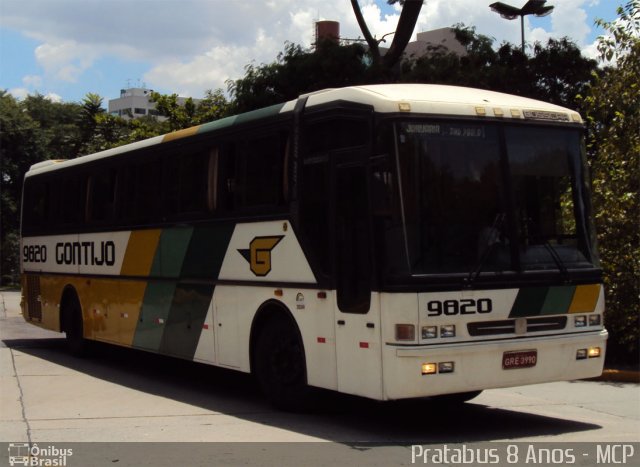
478,365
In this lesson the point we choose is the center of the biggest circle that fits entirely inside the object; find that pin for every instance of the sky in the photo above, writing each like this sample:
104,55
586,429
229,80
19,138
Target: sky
65,49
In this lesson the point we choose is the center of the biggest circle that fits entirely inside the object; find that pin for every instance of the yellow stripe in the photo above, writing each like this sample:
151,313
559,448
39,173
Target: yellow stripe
180,134
140,252
585,299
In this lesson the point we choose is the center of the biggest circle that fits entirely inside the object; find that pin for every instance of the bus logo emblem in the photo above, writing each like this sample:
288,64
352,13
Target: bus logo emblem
259,254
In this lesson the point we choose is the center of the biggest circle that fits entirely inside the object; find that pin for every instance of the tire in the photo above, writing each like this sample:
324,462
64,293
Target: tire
280,366
456,399
77,345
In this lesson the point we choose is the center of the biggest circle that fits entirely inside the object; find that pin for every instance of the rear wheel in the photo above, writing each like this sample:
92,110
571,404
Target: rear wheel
74,327
280,365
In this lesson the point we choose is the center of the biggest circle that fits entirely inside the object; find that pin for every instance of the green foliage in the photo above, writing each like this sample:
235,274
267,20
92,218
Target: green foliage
185,114
21,144
613,113
556,72
298,71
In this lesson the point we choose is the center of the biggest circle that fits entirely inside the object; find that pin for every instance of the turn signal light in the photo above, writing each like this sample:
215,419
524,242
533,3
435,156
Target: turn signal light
405,332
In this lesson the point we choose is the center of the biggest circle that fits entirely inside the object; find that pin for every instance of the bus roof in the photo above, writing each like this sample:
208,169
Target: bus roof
429,99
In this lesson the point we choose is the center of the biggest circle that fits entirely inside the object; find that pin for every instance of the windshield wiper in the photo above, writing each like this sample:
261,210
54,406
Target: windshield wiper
556,259
493,238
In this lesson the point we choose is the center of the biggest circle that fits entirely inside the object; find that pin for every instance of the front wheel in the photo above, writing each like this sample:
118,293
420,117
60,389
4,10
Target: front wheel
280,365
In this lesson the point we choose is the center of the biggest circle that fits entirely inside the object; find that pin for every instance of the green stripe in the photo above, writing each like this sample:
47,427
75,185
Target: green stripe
169,256
158,297
558,300
241,118
217,124
206,251
184,326
528,302
259,114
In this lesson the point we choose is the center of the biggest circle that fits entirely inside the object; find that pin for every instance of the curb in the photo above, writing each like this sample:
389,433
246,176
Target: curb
619,376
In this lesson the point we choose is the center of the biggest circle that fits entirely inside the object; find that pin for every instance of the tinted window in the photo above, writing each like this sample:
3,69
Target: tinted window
258,171
187,175
102,195
141,191
36,204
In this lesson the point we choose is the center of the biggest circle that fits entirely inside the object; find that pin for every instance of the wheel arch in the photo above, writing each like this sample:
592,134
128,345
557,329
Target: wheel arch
69,293
272,310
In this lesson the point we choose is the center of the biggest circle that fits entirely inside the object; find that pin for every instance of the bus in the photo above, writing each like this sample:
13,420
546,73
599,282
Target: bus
385,241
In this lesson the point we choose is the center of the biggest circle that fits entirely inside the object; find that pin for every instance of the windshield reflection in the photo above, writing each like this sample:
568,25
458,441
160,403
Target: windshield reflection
467,198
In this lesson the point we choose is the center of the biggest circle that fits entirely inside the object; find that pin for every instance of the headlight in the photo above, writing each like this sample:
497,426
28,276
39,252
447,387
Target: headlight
448,330
594,320
429,332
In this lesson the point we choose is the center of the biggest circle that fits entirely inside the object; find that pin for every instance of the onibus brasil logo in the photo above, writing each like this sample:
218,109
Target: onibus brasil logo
33,455
259,254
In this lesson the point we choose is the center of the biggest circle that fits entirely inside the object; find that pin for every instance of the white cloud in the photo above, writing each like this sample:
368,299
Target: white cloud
53,97
194,45
19,93
65,60
32,81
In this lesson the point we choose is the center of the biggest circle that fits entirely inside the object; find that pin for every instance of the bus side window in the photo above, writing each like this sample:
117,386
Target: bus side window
36,201
72,199
185,181
141,186
101,195
226,166
212,180
259,164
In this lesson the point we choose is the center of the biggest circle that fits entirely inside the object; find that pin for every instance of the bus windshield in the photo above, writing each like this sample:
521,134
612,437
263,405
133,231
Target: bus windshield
481,198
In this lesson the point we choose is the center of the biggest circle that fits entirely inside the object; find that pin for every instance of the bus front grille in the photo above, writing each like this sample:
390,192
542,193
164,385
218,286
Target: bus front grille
508,326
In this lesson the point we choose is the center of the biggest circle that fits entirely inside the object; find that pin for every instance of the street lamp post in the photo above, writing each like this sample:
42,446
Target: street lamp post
532,7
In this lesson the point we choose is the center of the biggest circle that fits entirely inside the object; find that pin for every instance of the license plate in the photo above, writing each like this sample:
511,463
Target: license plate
519,359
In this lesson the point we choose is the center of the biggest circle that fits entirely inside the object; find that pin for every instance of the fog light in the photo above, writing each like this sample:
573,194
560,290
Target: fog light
594,352
594,320
581,354
429,332
405,332
448,330
580,321
429,368
445,367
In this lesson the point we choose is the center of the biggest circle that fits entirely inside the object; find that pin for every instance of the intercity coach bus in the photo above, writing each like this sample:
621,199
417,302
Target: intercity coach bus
388,241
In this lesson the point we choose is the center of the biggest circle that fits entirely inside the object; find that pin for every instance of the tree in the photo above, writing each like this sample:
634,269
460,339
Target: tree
406,24
613,113
556,72
186,114
21,144
90,111
297,71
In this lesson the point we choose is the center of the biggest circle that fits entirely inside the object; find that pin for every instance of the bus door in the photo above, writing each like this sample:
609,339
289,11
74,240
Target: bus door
357,316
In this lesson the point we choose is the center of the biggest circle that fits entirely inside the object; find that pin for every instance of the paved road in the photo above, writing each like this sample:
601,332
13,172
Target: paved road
123,395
